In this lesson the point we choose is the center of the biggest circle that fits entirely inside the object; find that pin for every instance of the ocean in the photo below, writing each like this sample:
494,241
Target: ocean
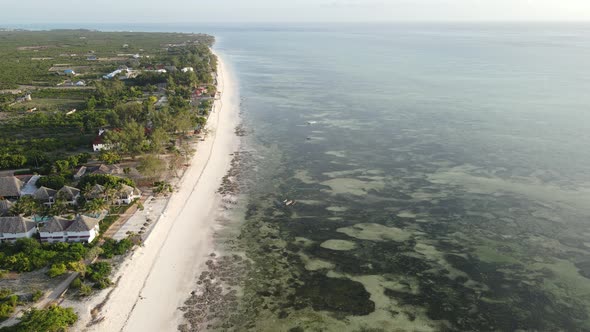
440,175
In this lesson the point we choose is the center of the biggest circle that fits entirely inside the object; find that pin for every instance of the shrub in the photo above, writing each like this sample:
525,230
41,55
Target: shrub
113,248
57,270
37,295
85,290
52,319
99,271
76,284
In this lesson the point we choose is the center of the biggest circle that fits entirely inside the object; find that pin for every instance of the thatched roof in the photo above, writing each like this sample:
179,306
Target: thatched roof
44,193
10,186
16,225
68,193
128,190
79,224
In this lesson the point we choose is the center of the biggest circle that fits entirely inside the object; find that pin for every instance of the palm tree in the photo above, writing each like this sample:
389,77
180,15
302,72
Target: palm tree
59,207
25,206
110,191
96,205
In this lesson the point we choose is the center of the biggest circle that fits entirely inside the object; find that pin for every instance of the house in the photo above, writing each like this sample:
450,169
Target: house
69,194
25,98
69,72
81,229
127,194
96,192
187,69
91,58
80,173
10,187
5,206
98,143
200,92
45,195
80,83
13,228
107,169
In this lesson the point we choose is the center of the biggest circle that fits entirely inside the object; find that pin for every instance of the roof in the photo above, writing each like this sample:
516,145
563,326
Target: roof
44,193
128,189
79,224
82,224
95,192
107,169
16,225
81,171
5,206
55,225
68,193
10,186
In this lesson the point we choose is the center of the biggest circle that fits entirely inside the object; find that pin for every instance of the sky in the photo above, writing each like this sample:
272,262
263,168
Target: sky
276,11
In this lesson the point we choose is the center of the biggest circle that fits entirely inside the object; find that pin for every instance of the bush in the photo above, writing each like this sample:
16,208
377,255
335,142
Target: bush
85,290
8,303
57,270
52,319
37,295
109,157
76,284
99,271
113,248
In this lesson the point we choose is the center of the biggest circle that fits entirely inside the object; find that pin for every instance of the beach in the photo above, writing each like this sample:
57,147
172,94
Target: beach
157,278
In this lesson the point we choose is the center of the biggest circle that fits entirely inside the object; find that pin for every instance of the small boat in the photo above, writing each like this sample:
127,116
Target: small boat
311,122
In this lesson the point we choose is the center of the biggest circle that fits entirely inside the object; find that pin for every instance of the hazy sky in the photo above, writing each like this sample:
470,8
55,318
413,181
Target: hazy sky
189,11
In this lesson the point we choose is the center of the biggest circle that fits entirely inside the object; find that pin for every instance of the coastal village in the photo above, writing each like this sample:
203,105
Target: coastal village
96,129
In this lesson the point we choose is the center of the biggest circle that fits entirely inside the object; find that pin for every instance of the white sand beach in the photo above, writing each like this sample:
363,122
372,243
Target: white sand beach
160,275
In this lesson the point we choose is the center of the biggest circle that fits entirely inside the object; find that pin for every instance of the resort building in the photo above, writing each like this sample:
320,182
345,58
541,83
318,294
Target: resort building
10,187
127,194
81,229
69,194
14,228
45,195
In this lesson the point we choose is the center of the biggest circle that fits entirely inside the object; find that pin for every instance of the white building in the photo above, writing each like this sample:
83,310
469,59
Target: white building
14,228
187,69
127,194
81,229
98,143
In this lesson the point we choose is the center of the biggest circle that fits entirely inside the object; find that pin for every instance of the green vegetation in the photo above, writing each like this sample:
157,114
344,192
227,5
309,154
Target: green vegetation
99,274
112,248
8,302
52,319
28,254
38,132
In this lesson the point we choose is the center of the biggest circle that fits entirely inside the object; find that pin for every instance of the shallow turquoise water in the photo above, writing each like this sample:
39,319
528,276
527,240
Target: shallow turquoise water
441,171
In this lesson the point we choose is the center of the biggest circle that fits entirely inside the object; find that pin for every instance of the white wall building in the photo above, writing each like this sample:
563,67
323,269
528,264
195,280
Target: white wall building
13,228
81,229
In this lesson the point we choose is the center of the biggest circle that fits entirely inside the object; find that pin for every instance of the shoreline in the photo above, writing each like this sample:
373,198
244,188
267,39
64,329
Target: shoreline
155,280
